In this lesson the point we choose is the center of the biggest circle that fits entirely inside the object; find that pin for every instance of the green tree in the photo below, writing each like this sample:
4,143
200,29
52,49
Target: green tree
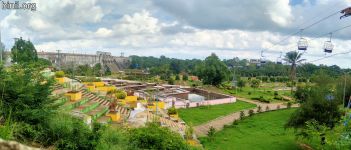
213,71
255,83
241,84
23,51
25,93
317,107
293,58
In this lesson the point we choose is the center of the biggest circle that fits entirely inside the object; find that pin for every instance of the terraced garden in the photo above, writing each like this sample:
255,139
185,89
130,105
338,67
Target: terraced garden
203,114
91,105
262,131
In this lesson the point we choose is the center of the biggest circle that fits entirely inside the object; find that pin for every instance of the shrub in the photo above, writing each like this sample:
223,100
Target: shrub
185,77
259,109
177,77
276,93
248,93
64,131
172,111
113,138
235,122
242,115
211,133
170,81
59,74
155,137
251,112
288,105
120,94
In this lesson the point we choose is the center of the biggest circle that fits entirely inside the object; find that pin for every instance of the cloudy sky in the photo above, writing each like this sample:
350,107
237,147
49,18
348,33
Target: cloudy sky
181,28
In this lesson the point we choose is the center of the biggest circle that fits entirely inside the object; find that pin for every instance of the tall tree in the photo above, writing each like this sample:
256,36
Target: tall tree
293,58
213,71
23,51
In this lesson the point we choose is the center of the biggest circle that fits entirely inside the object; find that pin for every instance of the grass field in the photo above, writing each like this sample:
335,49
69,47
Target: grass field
203,114
266,91
262,132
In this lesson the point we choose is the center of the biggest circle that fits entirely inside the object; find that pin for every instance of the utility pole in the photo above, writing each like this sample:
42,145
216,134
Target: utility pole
59,59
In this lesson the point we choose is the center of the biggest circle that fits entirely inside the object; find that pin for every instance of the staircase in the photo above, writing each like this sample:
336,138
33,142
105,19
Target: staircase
175,126
103,104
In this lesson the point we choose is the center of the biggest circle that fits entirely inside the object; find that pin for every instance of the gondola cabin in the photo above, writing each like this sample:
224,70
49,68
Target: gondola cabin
328,47
302,44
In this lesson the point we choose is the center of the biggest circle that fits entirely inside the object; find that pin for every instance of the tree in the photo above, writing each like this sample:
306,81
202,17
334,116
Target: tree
255,83
241,84
25,93
23,51
317,107
212,71
294,58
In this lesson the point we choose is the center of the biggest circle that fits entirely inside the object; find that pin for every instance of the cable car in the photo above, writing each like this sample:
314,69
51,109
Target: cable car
302,44
328,45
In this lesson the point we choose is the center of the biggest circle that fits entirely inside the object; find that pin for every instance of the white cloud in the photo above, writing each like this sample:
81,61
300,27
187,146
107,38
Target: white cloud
181,28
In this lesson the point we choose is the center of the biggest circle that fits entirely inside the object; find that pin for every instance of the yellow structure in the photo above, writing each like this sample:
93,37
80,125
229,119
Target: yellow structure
74,96
99,84
115,116
60,80
105,88
160,105
131,101
174,116
91,87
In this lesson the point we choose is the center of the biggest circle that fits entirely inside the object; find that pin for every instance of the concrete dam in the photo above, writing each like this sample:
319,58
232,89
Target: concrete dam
68,60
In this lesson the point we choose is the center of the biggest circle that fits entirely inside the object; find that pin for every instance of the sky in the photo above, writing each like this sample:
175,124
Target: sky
183,29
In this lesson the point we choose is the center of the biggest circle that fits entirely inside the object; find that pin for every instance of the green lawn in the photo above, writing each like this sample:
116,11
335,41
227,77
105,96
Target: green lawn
267,91
262,132
203,114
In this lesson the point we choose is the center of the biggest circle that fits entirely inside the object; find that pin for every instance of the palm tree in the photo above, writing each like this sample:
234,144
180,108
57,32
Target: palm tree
293,58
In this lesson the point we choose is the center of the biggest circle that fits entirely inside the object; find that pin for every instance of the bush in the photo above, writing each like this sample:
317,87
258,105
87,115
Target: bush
235,122
170,81
261,99
185,77
259,109
276,93
251,112
114,138
120,94
177,77
248,93
59,74
155,137
211,133
288,105
172,111
242,115
64,131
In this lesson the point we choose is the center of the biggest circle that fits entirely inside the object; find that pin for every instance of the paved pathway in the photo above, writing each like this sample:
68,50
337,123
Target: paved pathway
218,123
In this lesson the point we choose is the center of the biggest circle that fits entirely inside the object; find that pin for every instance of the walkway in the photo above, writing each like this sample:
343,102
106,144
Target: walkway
218,123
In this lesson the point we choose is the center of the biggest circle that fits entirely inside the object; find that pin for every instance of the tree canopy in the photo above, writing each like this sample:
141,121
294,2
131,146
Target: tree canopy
23,51
213,71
